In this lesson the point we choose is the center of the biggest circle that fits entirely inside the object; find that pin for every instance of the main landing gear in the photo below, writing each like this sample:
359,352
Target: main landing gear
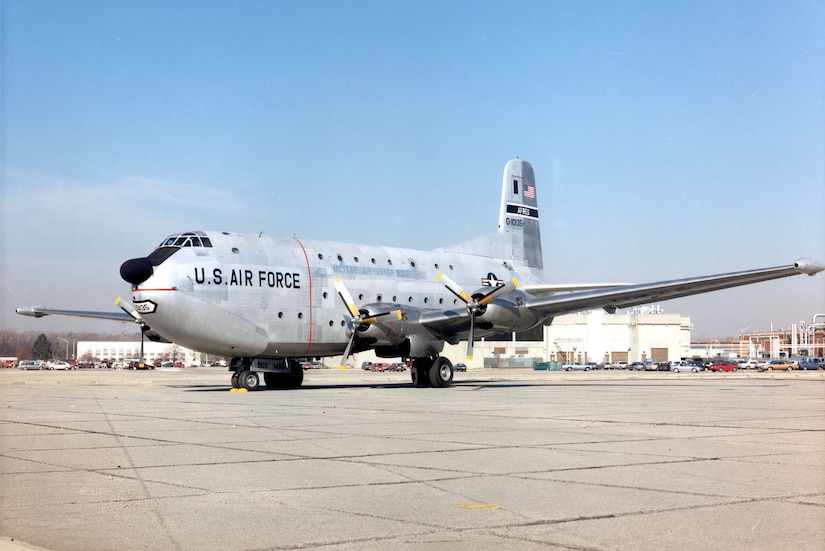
435,372
278,373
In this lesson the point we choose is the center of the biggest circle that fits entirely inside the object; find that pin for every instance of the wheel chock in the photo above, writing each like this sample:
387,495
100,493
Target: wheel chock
237,390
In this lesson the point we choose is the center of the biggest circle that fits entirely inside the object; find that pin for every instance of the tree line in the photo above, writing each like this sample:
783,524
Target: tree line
39,345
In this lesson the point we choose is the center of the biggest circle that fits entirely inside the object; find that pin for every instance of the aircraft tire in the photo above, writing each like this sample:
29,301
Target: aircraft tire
248,380
296,374
235,383
274,380
441,373
293,379
420,374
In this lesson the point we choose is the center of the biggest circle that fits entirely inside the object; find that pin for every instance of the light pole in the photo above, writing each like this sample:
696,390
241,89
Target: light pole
67,346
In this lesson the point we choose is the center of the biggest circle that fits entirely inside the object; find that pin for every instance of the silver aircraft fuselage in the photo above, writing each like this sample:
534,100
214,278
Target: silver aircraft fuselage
251,295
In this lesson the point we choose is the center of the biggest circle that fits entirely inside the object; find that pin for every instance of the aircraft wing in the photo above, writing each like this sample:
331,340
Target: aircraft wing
541,290
40,311
613,298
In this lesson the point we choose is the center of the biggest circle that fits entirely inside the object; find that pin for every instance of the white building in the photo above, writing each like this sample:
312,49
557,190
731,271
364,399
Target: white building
116,351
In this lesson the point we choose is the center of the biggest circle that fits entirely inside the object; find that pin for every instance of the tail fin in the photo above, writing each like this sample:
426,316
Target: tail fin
518,221
518,237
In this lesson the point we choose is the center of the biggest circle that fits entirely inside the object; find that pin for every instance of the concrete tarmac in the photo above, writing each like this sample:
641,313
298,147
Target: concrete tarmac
123,460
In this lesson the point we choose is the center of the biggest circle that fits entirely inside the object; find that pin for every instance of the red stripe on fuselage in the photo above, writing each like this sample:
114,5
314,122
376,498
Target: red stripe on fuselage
309,274
160,289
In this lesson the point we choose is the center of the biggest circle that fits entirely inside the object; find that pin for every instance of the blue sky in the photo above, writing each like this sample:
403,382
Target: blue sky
669,139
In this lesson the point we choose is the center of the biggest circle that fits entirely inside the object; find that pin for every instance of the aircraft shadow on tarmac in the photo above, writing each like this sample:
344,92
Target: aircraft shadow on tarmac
477,384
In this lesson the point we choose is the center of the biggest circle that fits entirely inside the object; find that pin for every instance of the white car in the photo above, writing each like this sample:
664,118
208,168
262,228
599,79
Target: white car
574,366
58,364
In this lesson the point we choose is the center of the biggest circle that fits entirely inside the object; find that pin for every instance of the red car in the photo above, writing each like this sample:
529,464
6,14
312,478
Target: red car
722,366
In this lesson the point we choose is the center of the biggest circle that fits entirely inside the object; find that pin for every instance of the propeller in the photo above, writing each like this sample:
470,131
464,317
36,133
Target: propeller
129,309
476,303
360,319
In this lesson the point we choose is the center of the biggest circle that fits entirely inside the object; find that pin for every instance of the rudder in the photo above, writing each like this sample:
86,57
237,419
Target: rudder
518,223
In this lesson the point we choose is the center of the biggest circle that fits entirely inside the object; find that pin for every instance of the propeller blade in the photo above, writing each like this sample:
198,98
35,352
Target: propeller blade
129,310
358,318
347,298
347,351
471,338
374,318
142,333
454,288
475,304
498,290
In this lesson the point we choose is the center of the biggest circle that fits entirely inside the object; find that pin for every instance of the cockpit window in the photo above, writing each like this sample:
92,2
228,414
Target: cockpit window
188,239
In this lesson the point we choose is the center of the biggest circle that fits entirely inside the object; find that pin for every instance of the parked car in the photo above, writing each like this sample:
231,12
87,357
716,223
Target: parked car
58,364
749,364
812,363
31,364
575,366
722,366
397,366
676,367
460,367
366,366
780,365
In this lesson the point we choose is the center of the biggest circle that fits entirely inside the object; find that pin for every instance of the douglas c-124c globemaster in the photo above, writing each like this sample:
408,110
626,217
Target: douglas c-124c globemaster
266,302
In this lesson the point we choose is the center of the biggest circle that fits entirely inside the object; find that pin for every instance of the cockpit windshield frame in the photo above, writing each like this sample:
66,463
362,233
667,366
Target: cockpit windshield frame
186,239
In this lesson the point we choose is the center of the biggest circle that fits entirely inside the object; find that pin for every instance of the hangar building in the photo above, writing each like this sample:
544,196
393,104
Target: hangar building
596,336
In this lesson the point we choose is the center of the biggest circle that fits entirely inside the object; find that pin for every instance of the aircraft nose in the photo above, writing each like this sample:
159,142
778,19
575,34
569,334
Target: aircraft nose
136,270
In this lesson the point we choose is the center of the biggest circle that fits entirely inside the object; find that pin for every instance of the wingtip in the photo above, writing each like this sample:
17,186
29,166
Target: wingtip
808,266
32,311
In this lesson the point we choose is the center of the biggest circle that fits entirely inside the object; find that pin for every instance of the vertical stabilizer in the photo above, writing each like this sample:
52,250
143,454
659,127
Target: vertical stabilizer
518,222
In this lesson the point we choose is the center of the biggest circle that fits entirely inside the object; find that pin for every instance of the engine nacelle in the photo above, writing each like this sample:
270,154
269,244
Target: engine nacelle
391,327
506,314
